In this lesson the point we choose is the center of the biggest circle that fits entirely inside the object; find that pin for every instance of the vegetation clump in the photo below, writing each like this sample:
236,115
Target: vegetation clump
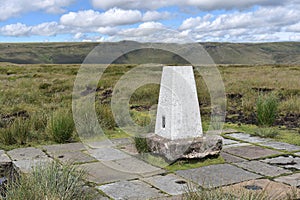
266,108
52,181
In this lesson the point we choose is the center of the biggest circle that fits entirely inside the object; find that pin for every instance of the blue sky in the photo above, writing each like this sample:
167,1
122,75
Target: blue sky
156,20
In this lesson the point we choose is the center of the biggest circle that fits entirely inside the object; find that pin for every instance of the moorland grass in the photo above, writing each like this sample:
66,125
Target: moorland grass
41,90
52,181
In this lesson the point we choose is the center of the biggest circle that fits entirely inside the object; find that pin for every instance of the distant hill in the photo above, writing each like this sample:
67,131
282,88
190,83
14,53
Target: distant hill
222,53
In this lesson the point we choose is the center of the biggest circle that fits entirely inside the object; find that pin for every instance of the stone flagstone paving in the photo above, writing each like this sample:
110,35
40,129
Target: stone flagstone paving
113,169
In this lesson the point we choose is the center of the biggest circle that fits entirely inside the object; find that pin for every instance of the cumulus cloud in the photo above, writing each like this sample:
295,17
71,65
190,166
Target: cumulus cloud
13,8
258,25
44,29
207,5
91,18
110,18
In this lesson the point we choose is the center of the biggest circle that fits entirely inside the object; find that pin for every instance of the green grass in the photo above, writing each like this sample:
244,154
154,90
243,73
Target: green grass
281,135
42,89
51,181
61,126
190,164
266,109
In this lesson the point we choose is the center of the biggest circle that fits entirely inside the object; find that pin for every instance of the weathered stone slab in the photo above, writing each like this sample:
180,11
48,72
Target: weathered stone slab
129,148
3,157
99,144
191,148
135,166
236,145
100,174
121,141
57,148
229,141
248,138
262,168
289,162
26,166
272,190
28,153
251,152
231,158
130,190
74,157
281,146
107,153
217,175
282,160
108,143
171,183
293,180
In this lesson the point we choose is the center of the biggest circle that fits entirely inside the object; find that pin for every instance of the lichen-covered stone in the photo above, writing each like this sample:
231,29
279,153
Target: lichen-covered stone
189,148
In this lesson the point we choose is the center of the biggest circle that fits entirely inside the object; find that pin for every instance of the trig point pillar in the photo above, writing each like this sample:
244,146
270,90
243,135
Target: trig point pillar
178,129
178,113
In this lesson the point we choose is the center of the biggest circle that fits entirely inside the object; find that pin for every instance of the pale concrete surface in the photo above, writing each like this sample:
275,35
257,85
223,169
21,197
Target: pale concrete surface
178,112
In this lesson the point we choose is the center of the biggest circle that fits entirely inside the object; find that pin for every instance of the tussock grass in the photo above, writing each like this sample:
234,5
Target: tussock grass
61,126
266,109
47,182
18,132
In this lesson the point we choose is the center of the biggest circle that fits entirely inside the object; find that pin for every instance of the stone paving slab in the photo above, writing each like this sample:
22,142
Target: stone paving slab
130,190
107,154
281,146
4,158
241,144
170,183
231,158
100,174
217,175
26,166
28,153
58,148
248,138
262,168
282,160
286,162
130,149
109,143
74,157
293,180
273,190
229,141
134,165
251,152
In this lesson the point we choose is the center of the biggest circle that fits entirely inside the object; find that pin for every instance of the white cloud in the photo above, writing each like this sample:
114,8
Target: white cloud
44,29
294,27
91,18
110,18
108,30
154,16
200,4
18,29
264,24
14,8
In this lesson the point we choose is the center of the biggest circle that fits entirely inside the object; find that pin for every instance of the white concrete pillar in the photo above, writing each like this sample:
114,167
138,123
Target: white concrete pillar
178,112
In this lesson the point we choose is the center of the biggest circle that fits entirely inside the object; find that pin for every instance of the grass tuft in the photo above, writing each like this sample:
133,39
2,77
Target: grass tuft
266,108
61,126
47,182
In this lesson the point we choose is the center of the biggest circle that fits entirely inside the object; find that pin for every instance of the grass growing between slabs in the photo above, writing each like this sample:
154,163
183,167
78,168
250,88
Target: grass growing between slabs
276,133
190,164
